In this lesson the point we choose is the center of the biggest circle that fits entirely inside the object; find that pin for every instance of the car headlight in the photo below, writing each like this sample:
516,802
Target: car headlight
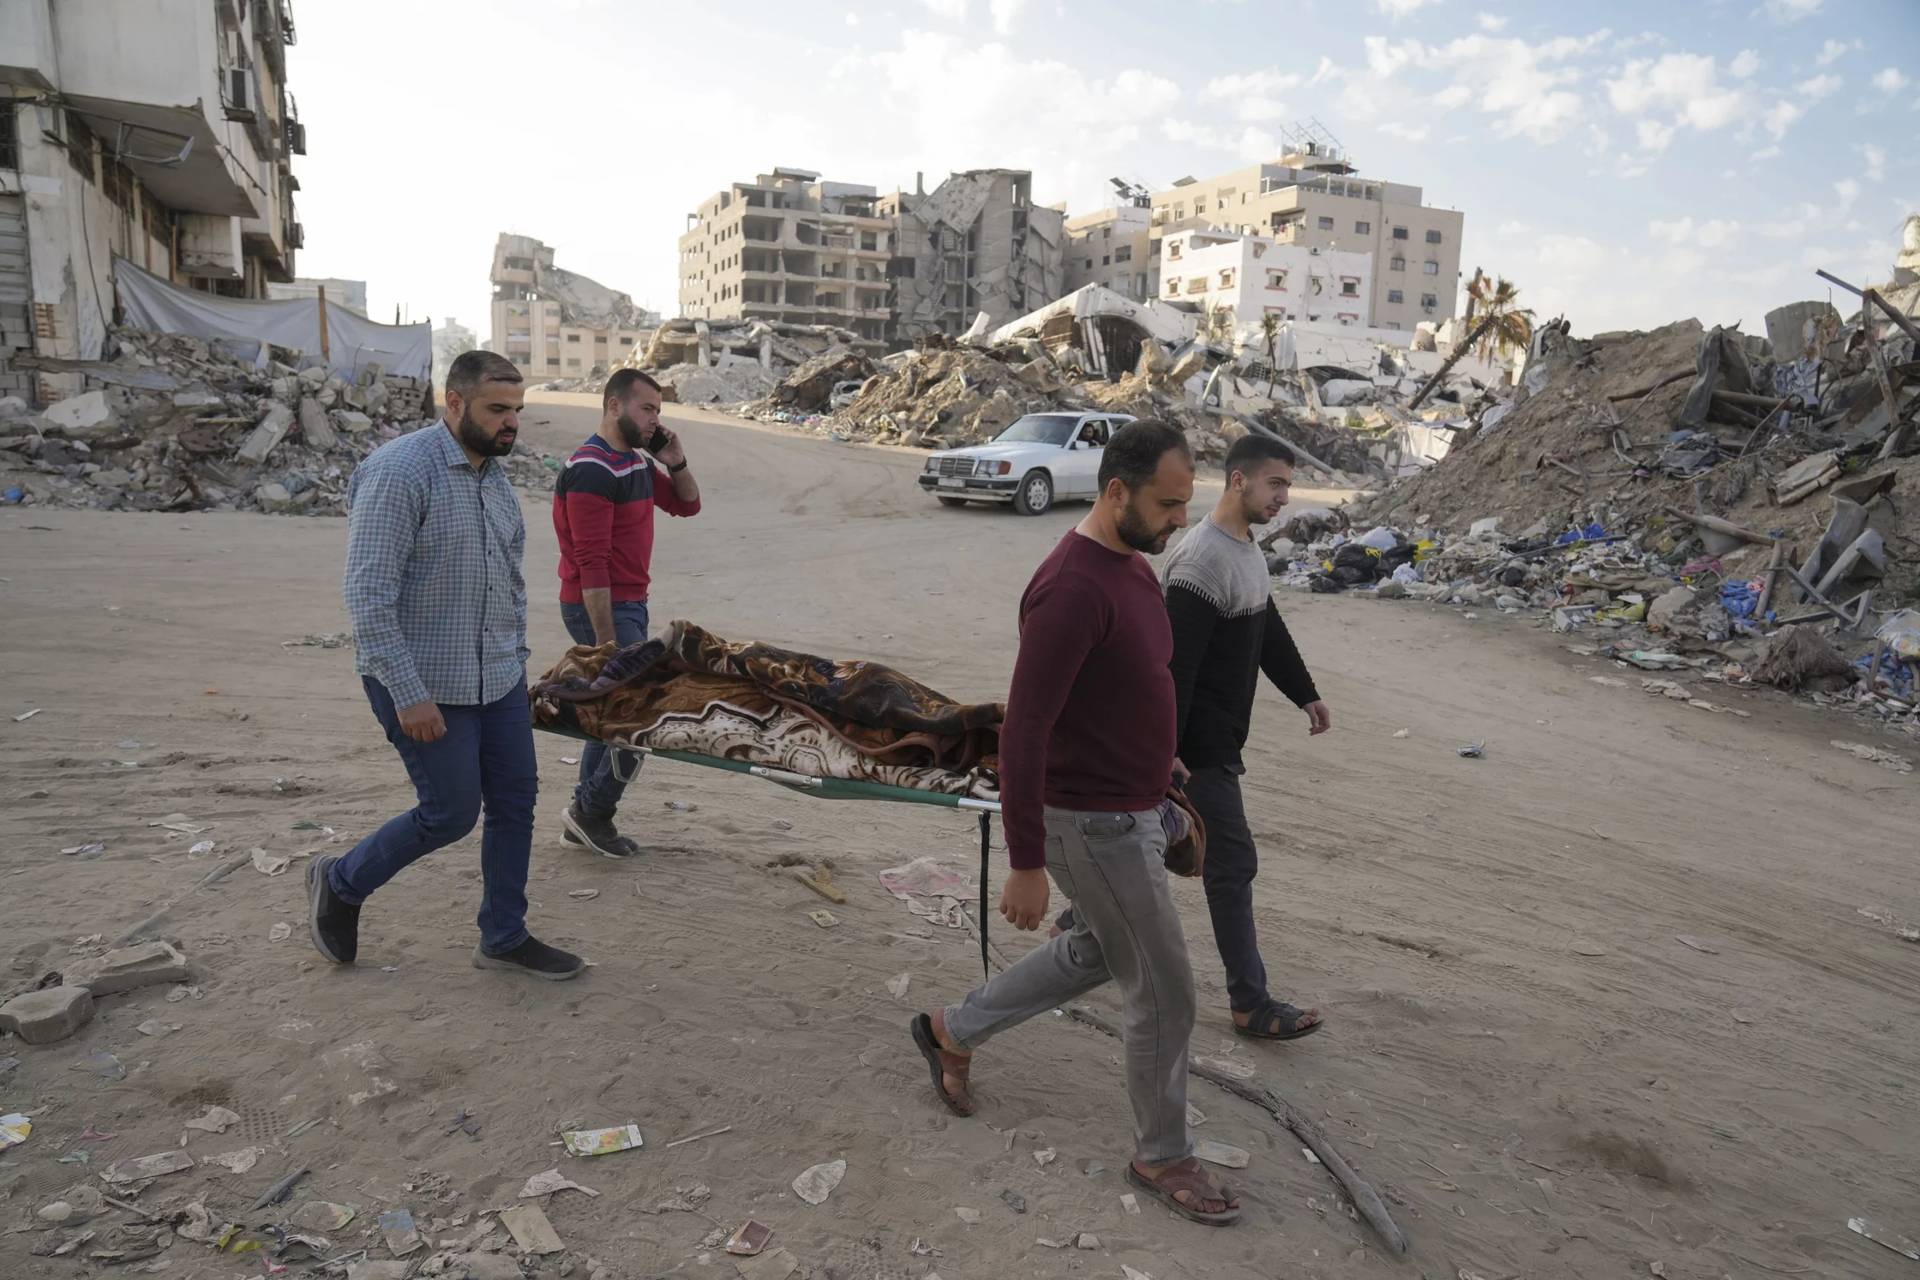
933,464
984,467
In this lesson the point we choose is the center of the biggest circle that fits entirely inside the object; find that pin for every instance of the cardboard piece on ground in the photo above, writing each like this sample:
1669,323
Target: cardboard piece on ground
530,1229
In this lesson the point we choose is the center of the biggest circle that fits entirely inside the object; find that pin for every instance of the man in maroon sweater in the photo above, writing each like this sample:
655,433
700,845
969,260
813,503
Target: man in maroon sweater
603,505
1086,756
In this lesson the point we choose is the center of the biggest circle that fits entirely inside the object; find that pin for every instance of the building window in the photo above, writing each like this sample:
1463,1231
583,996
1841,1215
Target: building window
1396,295
1349,287
1399,233
1276,279
1363,228
869,240
1106,233
1197,285
1433,237
1089,264
1106,259
9,137
626,342
1180,212
1398,263
1226,278
79,147
1123,254
1173,249
573,337
1172,285
1429,301
1326,224
1430,267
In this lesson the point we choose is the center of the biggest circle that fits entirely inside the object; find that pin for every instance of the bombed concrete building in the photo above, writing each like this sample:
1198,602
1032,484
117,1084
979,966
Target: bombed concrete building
976,243
556,323
790,248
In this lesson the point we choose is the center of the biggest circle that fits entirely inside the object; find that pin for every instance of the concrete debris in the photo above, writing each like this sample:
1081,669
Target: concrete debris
48,1015
145,964
175,424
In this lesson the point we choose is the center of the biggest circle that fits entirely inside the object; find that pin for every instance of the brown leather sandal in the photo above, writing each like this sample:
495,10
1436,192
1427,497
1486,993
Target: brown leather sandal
1189,1177
943,1063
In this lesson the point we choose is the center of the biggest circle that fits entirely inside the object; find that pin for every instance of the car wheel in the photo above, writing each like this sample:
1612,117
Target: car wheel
1035,496
953,502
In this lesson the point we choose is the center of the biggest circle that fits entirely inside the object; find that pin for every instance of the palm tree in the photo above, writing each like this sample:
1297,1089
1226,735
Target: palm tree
1270,340
1503,328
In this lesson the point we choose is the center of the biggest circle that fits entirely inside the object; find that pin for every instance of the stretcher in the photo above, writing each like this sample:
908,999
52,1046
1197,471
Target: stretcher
834,789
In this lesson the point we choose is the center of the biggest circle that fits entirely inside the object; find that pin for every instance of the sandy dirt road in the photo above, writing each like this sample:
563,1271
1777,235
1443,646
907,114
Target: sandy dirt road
1522,1054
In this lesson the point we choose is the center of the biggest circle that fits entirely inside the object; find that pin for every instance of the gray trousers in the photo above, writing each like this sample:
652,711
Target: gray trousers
1125,928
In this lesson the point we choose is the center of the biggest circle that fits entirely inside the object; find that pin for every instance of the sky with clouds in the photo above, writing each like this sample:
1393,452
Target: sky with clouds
1626,163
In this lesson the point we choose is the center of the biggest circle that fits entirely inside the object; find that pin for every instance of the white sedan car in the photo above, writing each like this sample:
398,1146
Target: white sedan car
1041,459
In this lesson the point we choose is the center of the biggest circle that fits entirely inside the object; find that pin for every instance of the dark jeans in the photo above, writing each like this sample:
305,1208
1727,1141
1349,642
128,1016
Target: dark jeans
485,760
1231,864
604,773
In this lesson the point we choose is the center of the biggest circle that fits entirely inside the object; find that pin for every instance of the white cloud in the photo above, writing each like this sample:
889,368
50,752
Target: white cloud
1745,64
1491,23
1676,232
1891,80
1876,158
1249,144
1793,10
1529,88
1834,50
1780,117
853,19
1326,70
1004,14
1767,153
1254,95
1410,132
1848,190
952,10
1820,87
1654,136
1454,95
1687,84
1398,9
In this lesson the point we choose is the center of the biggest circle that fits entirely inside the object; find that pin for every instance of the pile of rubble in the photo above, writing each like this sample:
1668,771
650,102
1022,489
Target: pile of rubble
1699,499
173,423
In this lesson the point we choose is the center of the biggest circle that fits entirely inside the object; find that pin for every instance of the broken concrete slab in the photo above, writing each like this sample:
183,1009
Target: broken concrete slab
268,434
49,1015
314,425
83,417
352,422
1663,611
274,498
147,964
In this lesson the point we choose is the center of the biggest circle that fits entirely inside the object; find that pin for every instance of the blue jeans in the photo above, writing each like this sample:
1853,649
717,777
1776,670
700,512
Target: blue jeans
485,758
604,774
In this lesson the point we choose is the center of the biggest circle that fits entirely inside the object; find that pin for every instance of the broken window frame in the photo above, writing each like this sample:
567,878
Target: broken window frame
1430,300
1226,277
1277,278
1401,233
1396,263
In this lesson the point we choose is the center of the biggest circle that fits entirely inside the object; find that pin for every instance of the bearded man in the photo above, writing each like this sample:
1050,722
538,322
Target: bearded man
439,608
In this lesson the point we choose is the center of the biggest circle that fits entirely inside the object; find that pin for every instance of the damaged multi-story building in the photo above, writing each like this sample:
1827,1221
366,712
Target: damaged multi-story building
1113,247
895,268
555,323
792,248
158,133
1314,198
976,243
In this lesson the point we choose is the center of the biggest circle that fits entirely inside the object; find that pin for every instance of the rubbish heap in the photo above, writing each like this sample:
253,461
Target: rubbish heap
172,423
1698,500
723,361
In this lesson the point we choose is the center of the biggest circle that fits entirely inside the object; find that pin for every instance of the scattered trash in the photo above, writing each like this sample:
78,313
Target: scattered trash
749,1238
399,1233
1877,755
603,1142
140,1168
1134,1273
241,1161
569,759
1045,1156
1583,947
216,1120
1403,733
1238,1068
91,849
921,1249
530,1229
269,864
464,1121
1014,1201
26,715
695,1137
1086,1240
1472,751
814,1185
825,919
969,1216
280,932
682,806
102,1064
776,1265
201,847
280,1190
1886,1239
14,1129
584,895
1130,1203
331,640
552,1181
821,882
897,986
1221,1153
322,1215
8,1064
1696,944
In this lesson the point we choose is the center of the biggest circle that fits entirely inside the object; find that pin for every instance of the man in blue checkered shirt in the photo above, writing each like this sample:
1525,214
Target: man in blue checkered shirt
439,606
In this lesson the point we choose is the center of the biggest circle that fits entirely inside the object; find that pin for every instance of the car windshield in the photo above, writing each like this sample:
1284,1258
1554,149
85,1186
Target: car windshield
1040,428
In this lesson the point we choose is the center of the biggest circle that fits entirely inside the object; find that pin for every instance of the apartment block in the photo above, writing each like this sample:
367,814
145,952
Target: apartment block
789,247
1255,276
1113,248
555,323
976,243
1313,198
161,132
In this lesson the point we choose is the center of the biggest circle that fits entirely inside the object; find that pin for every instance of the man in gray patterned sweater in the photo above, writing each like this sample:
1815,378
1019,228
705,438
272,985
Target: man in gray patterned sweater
1226,631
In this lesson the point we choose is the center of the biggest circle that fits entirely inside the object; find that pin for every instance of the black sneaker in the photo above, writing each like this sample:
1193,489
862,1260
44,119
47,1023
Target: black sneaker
335,925
596,834
533,958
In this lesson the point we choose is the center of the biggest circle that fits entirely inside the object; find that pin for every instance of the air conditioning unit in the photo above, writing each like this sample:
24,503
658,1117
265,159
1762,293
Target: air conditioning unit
296,138
239,87
296,236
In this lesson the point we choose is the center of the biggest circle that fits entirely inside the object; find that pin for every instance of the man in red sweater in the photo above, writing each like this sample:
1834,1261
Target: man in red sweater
603,505
1086,756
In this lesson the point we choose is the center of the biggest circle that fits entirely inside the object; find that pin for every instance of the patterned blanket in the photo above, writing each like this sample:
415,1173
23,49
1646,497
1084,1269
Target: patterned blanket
689,690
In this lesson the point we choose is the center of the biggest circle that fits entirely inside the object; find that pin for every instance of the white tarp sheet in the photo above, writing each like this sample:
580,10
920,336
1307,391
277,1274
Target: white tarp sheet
243,326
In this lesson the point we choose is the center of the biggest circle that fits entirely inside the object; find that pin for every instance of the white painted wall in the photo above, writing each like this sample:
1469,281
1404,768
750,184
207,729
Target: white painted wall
1310,286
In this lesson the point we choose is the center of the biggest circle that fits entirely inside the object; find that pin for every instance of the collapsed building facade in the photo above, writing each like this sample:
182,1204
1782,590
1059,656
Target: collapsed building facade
976,244
556,323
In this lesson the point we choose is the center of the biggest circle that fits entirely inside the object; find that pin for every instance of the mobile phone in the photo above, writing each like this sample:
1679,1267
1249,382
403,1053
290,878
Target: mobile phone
657,441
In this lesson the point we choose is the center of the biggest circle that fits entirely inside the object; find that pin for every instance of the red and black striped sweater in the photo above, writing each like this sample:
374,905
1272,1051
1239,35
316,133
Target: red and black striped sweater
603,508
